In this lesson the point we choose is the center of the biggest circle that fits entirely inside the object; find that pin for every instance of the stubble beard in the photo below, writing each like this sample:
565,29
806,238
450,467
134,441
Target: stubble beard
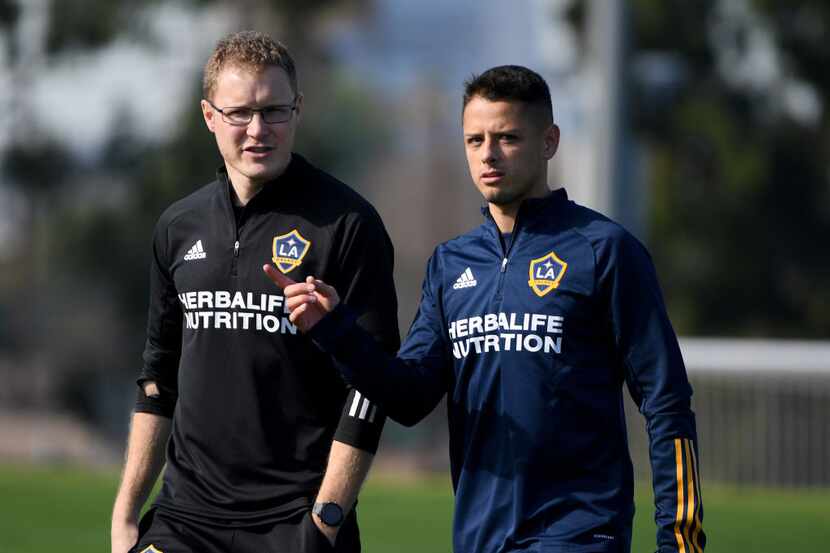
506,196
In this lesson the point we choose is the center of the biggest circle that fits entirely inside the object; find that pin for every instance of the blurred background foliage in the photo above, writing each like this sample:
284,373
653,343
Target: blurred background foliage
739,168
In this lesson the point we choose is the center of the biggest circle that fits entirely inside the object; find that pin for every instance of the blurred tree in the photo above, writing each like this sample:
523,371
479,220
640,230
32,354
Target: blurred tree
85,24
739,150
9,11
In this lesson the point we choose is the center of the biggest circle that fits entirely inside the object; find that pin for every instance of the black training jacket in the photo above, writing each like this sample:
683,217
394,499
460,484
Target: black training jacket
255,405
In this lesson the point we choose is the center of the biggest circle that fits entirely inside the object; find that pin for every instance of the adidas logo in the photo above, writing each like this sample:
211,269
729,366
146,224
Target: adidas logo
196,252
466,280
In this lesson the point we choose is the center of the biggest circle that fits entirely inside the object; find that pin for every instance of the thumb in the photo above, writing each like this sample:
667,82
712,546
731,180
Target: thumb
324,289
277,277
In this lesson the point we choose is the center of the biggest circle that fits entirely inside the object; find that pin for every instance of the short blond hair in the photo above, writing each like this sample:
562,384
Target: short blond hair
249,50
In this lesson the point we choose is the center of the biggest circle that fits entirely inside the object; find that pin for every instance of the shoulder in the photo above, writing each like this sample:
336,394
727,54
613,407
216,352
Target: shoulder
335,199
599,231
612,245
460,246
461,243
198,202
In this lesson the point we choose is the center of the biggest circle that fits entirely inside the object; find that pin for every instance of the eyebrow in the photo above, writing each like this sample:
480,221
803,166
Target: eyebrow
497,133
262,106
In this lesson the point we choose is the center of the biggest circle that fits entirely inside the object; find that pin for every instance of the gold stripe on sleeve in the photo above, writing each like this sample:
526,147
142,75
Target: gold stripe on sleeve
698,525
691,506
678,453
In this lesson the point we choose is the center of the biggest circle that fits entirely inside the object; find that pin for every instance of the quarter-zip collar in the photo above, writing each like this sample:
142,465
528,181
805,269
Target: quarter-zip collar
270,189
529,210
532,205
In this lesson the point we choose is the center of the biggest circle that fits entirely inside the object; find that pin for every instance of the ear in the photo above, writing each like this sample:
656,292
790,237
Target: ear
210,116
299,107
551,141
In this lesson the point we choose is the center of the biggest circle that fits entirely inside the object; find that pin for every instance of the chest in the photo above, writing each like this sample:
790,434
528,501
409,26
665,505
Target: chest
216,253
543,283
527,325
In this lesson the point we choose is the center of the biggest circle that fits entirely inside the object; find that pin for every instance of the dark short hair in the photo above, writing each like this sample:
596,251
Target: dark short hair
249,50
510,82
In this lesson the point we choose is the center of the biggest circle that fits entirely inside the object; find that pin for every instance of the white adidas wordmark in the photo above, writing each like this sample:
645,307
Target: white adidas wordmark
362,408
466,280
196,252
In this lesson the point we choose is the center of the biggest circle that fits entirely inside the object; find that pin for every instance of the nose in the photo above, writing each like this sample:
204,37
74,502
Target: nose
257,127
489,151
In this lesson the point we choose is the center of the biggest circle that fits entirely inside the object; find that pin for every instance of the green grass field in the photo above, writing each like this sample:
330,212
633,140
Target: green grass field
67,509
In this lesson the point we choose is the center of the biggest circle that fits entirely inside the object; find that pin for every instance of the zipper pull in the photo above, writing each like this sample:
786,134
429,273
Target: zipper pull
236,249
504,265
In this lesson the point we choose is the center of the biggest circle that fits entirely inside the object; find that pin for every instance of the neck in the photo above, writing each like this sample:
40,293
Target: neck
505,215
244,189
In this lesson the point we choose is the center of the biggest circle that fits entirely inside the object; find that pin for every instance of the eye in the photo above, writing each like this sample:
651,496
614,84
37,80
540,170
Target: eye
276,114
238,115
277,110
473,140
509,138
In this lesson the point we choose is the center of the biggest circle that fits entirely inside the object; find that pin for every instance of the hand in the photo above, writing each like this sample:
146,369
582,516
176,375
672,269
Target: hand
329,531
308,302
123,536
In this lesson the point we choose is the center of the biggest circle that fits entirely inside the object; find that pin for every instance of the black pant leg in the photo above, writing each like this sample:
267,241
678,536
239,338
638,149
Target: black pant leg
298,534
348,539
161,533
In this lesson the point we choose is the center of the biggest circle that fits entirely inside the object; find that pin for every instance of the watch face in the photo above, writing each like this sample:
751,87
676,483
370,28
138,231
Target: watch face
331,514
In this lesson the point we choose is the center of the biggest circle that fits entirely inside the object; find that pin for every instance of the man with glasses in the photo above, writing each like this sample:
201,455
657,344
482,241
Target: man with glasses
267,446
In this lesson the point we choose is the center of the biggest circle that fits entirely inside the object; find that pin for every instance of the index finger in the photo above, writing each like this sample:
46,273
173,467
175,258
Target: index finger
277,277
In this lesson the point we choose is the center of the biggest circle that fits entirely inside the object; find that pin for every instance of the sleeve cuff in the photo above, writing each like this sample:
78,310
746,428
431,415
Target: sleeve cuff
365,439
163,405
361,423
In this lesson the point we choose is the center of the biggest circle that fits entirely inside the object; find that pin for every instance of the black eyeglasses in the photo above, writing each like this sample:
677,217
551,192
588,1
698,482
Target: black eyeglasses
242,115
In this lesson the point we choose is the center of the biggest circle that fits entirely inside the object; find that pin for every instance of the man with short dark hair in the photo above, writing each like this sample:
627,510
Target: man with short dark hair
529,324
267,445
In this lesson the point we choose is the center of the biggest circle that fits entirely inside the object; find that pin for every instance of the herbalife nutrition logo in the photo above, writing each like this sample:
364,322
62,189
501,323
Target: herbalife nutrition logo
466,280
196,252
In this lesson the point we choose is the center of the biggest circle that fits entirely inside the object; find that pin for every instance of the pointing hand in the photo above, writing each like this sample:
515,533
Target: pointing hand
308,301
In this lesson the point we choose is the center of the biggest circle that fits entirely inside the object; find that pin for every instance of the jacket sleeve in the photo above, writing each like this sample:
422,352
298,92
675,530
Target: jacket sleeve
656,378
408,386
364,278
162,349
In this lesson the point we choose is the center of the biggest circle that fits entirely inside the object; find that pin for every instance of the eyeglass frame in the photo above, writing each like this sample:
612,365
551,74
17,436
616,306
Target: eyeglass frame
292,108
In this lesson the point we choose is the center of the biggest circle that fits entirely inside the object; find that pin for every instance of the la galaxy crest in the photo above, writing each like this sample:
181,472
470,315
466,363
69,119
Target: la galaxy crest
151,549
289,250
546,273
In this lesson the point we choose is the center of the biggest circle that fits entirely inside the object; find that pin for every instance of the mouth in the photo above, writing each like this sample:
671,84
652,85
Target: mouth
492,176
258,151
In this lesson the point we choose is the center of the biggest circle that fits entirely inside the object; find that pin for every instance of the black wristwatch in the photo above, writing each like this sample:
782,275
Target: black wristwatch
330,513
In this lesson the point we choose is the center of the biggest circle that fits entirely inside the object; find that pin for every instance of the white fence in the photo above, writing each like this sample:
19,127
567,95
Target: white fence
763,411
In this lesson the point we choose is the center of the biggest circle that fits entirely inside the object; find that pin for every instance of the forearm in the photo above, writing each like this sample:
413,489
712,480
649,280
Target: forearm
144,461
346,471
407,389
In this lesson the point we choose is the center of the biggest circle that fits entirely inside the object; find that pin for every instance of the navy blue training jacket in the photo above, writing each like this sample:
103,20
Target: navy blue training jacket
531,346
